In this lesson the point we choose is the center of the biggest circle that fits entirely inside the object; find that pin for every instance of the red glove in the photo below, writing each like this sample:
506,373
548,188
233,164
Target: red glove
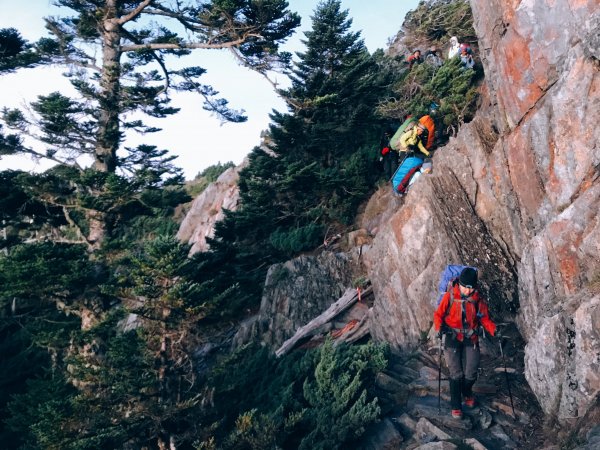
385,150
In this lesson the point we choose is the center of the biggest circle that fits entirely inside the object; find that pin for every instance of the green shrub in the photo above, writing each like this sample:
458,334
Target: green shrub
203,179
340,407
317,399
211,173
297,239
436,22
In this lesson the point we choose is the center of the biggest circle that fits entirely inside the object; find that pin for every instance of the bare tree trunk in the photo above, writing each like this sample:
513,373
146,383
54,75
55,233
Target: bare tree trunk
164,440
97,233
108,136
344,302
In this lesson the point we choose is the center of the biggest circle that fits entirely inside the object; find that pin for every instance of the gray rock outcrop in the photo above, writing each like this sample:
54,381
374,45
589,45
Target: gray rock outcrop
295,292
207,209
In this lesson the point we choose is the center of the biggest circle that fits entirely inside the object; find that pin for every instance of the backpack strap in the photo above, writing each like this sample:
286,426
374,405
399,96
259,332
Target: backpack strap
450,290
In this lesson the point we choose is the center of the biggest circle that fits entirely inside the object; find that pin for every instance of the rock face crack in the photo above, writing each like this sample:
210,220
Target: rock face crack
534,107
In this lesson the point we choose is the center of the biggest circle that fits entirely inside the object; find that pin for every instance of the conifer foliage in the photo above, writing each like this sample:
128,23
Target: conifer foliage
138,377
320,398
320,166
17,53
435,21
119,58
43,287
126,380
340,408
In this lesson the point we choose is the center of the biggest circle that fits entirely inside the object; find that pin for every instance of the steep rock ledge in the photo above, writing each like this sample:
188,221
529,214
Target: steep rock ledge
207,209
516,193
542,66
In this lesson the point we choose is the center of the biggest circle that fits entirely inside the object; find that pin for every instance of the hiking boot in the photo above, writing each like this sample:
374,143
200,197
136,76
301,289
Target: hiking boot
470,402
456,414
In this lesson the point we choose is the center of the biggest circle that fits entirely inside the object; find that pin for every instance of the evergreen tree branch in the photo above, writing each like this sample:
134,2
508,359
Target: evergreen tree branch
135,13
189,45
159,61
280,93
77,228
66,51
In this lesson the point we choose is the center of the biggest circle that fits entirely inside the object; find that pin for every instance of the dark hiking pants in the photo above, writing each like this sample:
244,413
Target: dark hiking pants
462,359
390,164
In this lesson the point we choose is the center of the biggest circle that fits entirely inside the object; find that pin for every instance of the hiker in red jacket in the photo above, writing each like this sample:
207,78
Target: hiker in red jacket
459,315
413,59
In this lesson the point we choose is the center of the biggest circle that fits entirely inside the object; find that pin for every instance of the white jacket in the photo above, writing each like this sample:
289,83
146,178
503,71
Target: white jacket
454,47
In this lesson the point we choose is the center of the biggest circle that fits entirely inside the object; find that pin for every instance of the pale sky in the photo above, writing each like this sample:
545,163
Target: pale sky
193,134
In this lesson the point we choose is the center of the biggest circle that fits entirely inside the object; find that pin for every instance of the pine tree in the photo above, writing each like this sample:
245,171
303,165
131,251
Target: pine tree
332,120
159,392
129,379
42,289
112,206
340,408
318,168
133,76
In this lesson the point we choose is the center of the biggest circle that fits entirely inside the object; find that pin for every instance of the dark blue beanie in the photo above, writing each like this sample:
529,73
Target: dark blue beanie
468,277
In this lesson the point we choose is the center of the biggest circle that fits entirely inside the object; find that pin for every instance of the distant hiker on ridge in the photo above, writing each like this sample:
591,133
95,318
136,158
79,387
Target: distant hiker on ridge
454,48
433,58
413,59
466,56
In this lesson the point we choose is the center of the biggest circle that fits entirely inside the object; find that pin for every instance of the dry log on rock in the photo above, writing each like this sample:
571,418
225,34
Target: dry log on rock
345,301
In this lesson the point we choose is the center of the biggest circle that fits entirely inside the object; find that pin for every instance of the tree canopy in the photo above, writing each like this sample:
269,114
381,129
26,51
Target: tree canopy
318,166
112,336
119,57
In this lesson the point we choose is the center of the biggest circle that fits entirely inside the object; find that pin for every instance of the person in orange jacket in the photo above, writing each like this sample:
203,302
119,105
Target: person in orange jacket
459,315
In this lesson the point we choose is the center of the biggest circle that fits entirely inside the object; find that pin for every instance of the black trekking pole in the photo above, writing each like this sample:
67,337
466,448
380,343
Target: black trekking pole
440,378
507,382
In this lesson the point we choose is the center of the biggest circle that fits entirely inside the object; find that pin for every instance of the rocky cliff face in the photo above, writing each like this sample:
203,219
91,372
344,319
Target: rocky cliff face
207,209
297,291
516,193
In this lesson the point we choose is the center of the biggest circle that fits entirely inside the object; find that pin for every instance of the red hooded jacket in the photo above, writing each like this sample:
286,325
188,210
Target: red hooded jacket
453,316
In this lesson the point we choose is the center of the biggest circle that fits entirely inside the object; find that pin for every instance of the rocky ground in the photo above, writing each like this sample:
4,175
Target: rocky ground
415,419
